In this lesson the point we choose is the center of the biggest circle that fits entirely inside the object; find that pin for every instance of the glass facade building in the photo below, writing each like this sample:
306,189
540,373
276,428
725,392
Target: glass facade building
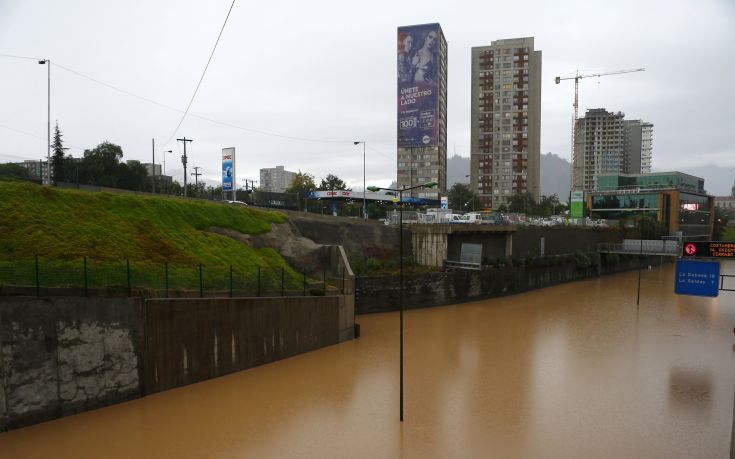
678,201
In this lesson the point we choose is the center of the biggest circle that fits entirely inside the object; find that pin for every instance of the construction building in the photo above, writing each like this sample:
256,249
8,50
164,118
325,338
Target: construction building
606,143
505,121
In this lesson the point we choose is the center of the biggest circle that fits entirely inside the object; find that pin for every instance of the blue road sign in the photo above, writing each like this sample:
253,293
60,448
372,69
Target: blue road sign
700,278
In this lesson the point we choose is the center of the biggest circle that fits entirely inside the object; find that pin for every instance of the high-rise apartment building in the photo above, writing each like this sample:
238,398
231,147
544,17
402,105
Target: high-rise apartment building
646,147
275,179
606,143
505,121
422,109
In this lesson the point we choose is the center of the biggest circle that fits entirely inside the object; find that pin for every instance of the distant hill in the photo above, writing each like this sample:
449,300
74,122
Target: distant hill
457,168
555,174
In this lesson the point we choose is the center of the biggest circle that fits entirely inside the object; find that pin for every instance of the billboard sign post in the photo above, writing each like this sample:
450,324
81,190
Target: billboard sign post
228,171
418,76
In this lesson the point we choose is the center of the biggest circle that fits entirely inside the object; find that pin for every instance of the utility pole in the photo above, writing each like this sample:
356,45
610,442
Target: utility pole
196,175
153,168
183,160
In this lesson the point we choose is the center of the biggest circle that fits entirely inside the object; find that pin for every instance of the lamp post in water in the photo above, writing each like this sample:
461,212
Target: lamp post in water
400,260
364,200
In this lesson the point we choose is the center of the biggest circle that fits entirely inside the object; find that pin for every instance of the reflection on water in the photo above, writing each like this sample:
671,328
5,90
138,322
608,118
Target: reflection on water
691,387
570,371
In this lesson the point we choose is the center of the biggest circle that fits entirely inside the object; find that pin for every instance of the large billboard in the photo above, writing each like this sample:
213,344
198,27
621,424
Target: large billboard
418,77
228,169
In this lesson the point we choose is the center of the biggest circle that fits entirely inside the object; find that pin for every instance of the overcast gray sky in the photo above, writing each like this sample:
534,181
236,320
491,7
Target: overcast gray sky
325,71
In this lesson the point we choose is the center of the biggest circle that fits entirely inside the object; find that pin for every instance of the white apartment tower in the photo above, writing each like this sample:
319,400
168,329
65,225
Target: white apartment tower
275,179
505,120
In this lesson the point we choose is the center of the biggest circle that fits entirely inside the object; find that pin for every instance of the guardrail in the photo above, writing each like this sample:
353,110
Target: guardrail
646,247
451,265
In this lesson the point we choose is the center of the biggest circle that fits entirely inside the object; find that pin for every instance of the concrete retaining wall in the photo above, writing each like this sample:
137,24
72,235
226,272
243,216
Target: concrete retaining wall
64,355
61,356
380,294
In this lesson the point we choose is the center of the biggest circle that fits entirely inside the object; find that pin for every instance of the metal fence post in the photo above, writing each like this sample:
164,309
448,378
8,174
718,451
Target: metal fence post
165,277
258,280
127,264
282,282
201,282
85,277
324,279
230,281
38,280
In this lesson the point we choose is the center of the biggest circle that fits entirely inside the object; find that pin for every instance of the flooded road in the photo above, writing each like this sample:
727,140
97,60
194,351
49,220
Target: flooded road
572,371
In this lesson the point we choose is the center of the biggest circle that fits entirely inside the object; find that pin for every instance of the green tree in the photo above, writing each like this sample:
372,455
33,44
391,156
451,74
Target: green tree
59,163
461,197
302,184
721,220
728,234
549,205
522,203
100,166
11,170
132,176
332,182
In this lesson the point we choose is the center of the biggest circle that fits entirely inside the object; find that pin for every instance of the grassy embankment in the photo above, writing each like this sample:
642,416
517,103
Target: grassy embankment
63,226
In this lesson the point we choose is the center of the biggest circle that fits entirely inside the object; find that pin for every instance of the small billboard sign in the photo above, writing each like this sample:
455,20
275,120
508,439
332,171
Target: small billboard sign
228,169
699,278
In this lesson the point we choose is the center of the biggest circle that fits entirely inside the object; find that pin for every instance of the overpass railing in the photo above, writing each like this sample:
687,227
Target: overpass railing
646,247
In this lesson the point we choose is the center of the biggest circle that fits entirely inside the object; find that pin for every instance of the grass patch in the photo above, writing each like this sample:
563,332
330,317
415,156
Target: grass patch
63,226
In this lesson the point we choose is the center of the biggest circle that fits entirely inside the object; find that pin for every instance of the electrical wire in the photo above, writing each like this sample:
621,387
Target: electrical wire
177,110
173,134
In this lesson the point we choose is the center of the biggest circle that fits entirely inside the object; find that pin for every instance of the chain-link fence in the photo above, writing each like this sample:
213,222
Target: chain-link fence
84,276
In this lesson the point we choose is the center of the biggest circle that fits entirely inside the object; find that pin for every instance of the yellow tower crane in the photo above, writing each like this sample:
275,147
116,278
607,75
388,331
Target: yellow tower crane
575,163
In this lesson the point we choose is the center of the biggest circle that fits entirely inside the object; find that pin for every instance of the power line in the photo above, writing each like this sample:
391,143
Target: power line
203,73
194,115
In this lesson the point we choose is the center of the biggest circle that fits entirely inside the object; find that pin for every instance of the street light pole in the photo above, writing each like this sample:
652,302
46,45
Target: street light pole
364,199
400,263
48,119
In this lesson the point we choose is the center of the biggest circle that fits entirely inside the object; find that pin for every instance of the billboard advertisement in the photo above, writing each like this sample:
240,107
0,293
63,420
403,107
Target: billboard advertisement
228,169
418,77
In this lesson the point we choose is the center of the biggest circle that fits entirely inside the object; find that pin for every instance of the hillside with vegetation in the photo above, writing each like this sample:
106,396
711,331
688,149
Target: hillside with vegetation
148,232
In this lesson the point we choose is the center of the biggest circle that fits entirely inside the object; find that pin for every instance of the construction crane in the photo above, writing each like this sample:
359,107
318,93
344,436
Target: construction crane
576,79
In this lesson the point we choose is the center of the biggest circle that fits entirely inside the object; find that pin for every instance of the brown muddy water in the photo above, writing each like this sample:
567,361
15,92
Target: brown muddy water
572,371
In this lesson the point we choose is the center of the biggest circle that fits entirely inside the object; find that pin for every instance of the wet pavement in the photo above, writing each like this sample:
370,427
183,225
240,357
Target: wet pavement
572,371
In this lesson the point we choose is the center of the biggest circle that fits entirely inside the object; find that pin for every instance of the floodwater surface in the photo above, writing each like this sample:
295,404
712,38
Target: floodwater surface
572,371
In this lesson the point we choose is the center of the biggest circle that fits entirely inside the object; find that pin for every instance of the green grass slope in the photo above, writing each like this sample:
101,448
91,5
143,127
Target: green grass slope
63,226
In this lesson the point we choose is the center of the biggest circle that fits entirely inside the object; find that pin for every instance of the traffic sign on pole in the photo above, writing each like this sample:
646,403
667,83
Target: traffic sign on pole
699,278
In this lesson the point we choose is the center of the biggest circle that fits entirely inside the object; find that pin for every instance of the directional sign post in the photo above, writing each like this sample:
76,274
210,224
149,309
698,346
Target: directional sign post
699,278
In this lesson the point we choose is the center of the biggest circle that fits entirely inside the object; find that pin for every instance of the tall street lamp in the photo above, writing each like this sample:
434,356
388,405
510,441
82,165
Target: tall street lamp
364,200
164,160
400,259
48,118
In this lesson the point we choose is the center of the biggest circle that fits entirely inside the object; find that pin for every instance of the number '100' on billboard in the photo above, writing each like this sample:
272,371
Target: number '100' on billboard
418,76
228,169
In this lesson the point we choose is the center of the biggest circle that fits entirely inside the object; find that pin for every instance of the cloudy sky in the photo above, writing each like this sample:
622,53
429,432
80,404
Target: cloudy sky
293,83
